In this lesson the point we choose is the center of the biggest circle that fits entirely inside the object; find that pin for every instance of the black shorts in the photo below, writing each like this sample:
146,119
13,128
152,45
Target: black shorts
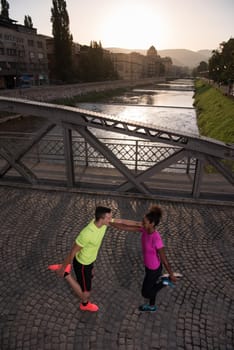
83,275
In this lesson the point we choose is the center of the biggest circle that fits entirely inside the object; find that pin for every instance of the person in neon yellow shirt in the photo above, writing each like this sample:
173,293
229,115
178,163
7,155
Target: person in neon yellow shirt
84,253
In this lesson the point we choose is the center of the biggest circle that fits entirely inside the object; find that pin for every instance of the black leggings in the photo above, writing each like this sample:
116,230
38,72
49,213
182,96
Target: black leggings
151,284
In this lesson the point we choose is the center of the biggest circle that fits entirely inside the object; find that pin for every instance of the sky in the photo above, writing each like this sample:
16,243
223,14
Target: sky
137,24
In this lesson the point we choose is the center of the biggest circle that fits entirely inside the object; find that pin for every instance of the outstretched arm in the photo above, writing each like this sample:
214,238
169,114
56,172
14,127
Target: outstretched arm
126,225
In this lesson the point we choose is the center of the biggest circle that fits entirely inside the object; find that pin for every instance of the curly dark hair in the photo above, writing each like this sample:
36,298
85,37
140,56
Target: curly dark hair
154,214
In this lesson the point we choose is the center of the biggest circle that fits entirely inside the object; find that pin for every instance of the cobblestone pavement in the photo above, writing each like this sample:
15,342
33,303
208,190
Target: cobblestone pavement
38,310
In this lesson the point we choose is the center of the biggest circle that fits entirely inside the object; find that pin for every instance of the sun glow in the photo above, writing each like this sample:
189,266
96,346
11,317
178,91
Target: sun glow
133,27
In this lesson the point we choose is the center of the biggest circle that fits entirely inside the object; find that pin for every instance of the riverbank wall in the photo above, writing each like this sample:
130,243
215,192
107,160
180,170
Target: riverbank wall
48,93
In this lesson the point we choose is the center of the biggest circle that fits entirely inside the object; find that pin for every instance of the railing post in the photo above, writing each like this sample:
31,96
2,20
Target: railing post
68,154
136,157
188,165
86,154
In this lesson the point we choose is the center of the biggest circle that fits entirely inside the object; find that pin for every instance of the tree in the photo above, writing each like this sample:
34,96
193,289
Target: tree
95,63
62,69
5,8
203,67
221,63
28,22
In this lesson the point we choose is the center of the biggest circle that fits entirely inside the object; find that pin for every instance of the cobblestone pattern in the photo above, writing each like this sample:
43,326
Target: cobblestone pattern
38,310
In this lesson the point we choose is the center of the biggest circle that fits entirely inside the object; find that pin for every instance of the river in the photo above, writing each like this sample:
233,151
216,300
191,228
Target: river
167,105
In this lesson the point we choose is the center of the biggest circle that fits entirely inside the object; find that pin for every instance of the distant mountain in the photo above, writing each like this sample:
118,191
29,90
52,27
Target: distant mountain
180,57
207,53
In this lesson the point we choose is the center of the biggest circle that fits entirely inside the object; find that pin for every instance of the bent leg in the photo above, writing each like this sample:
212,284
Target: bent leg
74,285
84,296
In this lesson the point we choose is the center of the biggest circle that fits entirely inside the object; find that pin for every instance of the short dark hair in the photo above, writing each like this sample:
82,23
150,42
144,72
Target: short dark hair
100,212
154,215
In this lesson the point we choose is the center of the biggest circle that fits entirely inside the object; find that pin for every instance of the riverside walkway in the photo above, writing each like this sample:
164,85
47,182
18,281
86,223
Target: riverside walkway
54,92
38,310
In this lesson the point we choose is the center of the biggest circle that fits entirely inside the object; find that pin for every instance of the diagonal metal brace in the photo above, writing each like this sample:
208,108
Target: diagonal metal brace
109,155
155,168
18,166
221,168
36,138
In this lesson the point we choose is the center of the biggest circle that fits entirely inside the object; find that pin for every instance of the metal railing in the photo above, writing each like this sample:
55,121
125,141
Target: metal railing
136,154
140,153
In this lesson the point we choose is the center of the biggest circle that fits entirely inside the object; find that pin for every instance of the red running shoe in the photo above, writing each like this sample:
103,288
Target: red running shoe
56,267
68,268
89,307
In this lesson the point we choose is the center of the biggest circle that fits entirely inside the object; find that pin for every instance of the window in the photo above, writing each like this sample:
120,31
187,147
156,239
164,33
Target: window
21,53
40,55
20,40
31,54
30,43
3,65
39,45
11,52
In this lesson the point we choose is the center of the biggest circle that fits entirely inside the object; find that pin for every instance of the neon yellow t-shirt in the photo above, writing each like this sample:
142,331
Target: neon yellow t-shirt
90,239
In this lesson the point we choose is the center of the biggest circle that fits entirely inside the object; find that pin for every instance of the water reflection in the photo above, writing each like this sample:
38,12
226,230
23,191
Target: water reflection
171,109
178,119
162,98
177,93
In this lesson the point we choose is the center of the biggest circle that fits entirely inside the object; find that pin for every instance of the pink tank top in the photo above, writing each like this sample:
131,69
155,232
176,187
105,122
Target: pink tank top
151,243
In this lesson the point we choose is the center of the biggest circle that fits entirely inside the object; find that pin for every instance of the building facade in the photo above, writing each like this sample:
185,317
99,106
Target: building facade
27,58
133,66
128,66
23,55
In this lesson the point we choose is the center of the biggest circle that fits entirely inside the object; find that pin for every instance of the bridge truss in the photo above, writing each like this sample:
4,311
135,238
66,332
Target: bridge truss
204,150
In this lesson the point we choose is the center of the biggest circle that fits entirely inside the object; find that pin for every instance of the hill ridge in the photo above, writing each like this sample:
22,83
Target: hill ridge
180,57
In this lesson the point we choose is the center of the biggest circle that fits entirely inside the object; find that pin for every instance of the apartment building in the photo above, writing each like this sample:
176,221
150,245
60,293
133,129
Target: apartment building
23,55
152,63
135,66
128,66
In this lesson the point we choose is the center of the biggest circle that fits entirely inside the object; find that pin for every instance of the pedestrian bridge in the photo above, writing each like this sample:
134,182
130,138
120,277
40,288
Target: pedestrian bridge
156,148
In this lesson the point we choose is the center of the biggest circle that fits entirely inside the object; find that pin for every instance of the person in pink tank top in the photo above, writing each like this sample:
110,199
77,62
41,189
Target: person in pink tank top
153,255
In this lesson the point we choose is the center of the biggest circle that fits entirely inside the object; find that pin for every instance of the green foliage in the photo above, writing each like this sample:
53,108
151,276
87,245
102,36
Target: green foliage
215,113
95,64
203,66
62,69
28,22
201,69
221,63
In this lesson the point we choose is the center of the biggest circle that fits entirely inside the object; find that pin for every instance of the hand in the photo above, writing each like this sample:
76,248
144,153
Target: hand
60,272
172,278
